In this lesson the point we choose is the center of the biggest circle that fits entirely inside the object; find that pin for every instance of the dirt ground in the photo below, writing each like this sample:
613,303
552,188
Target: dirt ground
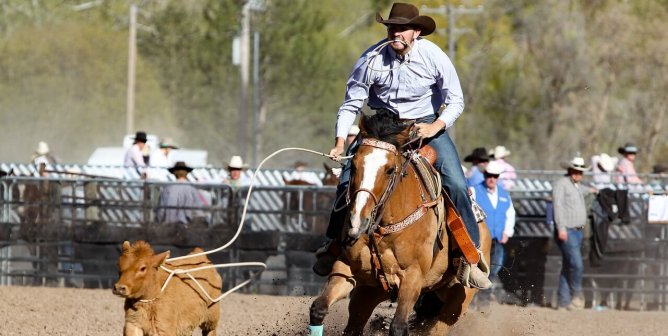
66,311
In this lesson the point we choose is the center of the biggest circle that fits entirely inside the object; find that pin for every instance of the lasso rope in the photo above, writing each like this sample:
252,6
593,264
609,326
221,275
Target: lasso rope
376,51
173,272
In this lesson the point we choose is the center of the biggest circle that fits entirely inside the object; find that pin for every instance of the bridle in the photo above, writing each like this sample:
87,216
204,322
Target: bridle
374,230
377,211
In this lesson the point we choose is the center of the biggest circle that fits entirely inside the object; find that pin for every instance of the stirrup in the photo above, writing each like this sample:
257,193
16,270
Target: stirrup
480,272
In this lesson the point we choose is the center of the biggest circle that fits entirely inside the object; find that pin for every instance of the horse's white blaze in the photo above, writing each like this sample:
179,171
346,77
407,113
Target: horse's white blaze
373,163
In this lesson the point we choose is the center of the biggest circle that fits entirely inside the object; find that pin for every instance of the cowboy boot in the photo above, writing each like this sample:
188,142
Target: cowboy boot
329,252
474,276
326,256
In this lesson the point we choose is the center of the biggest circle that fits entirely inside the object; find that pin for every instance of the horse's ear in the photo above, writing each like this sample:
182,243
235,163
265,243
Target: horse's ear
327,167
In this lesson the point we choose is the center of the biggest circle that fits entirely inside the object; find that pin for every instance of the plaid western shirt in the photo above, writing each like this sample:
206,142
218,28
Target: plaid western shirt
569,204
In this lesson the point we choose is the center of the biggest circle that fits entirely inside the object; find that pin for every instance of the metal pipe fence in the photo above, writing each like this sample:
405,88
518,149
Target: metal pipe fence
68,231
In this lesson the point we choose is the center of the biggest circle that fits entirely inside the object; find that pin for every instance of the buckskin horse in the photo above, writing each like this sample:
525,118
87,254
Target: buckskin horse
397,244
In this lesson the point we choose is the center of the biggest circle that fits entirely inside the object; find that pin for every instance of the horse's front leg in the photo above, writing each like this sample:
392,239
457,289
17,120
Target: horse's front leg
338,286
363,300
409,291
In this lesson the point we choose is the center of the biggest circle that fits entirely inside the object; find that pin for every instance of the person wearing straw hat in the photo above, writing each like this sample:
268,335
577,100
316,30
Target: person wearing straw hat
162,157
509,176
410,77
625,167
179,203
570,217
235,177
43,155
495,201
602,165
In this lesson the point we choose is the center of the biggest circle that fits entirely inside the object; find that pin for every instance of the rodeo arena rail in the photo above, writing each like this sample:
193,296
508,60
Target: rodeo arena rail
67,229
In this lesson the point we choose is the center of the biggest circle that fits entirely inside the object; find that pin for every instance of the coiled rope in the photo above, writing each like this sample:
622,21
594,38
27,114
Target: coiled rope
176,271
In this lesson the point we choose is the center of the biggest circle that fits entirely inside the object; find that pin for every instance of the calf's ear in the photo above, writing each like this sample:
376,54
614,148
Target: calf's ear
126,246
159,259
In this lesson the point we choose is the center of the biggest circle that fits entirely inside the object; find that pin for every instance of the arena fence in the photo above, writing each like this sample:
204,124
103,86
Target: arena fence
67,230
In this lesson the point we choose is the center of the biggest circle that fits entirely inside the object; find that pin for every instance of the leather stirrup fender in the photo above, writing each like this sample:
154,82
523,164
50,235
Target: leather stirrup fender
459,232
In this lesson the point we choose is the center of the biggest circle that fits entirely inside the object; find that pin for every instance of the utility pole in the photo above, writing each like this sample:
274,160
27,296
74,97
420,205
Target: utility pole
132,55
241,50
256,99
451,12
242,134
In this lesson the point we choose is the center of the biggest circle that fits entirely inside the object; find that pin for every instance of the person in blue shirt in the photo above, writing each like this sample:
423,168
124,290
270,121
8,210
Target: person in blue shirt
498,206
411,78
479,159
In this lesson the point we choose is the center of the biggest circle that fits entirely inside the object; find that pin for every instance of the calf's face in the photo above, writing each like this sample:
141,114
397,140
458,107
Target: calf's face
137,270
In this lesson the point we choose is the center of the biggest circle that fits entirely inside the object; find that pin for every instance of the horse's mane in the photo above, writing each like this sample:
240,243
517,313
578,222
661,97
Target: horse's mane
384,127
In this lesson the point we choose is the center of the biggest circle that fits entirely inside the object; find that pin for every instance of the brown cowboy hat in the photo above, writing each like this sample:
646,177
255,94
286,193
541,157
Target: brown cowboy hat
180,165
407,14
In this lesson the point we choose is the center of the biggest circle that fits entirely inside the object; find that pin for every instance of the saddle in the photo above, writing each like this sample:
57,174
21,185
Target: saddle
424,163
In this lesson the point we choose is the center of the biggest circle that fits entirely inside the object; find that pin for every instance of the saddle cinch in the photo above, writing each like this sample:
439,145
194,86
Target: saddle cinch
424,163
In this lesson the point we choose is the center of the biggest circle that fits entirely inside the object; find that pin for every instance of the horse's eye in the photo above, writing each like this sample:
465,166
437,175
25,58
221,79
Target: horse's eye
390,171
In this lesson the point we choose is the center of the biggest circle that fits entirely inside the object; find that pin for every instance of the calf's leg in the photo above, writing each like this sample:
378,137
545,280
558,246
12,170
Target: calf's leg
132,330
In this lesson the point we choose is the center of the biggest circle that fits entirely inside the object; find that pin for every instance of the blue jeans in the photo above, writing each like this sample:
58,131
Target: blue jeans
572,267
453,180
496,259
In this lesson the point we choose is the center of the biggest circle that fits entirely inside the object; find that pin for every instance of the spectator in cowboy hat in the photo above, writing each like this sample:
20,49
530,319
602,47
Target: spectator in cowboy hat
497,205
134,157
234,169
179,202
625,168
479,158
508,176
602,166
162,157
570,217
43,155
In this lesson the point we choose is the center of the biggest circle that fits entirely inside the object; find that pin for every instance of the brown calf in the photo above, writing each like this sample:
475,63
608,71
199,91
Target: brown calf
180,308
